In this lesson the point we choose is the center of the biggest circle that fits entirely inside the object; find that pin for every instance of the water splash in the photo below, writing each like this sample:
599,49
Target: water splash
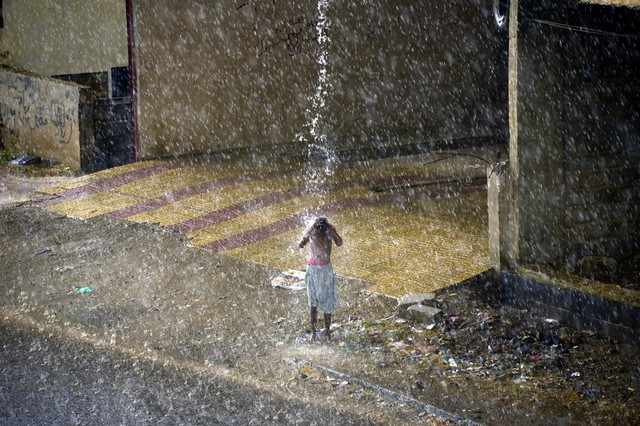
320,154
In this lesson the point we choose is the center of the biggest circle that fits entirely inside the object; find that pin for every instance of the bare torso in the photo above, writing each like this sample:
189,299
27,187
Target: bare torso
320,247
320,243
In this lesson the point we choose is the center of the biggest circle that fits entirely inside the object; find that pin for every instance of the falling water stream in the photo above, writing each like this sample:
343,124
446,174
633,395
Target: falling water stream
320,154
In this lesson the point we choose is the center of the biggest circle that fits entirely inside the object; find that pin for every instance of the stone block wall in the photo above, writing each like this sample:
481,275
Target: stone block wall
615,316
575,135
48,118
603,152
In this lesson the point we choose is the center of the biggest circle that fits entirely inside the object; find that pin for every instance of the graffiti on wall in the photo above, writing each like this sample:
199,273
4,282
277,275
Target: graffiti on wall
27,107
297,34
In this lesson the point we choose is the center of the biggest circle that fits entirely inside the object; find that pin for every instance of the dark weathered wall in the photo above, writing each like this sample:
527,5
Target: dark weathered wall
575,132
603,152
64,36
216,75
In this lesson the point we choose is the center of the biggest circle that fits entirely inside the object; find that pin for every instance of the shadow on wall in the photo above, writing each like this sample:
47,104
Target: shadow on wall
112,116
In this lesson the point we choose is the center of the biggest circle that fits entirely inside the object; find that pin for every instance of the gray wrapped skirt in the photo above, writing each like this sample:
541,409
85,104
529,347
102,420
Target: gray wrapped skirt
321,287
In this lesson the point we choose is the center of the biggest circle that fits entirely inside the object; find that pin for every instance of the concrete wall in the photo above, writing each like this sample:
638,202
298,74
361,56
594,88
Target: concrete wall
575,132
215,75
46,117
64,36
603,154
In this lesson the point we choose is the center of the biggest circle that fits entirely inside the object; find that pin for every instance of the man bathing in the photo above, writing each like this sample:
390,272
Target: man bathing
319,277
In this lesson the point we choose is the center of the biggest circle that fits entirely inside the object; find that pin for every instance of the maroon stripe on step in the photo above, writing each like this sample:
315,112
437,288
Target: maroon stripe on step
235,210
240,208
294,221
188,192
248,206
245,207
105,184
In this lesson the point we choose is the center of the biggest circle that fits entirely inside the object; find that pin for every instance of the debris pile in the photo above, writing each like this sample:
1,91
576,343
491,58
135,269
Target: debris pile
458,338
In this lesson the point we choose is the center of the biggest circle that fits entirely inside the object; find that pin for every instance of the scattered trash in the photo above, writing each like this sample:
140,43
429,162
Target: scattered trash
81,290
26,160
291,279
523,350
474,341
47,250
485,318
591,393
520,379
279,320
452,362
398,345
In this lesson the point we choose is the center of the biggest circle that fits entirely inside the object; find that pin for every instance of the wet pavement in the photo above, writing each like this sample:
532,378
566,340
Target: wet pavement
410,224
208,311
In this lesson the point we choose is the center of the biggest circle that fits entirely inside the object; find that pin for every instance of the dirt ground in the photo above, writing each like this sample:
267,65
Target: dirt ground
140,290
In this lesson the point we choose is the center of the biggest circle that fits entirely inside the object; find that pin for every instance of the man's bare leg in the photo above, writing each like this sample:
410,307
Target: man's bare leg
314,322
327,326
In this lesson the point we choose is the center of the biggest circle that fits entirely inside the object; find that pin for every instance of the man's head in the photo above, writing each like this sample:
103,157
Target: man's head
321,224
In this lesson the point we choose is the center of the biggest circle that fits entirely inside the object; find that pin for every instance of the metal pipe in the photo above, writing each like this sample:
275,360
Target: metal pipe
132,69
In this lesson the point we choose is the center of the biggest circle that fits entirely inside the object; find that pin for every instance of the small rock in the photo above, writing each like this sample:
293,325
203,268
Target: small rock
411,299
422,313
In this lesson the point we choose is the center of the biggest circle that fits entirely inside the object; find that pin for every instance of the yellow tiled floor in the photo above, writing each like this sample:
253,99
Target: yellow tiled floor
417,245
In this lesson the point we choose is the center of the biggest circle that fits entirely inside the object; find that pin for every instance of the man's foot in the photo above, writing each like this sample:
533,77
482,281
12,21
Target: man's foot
313,336
328,336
